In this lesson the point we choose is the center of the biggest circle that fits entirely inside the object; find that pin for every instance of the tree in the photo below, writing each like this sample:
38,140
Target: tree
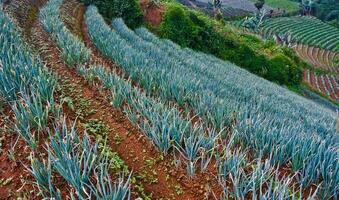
259,4
307,6
129,10
178,27
216,6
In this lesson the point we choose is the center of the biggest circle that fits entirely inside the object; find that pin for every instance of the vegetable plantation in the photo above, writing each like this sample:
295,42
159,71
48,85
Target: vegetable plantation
325,84
305,30
28,89
206,118
319,58
263,122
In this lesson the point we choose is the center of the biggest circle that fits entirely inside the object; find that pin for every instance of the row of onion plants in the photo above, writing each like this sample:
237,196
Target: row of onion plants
73,50
28,88
170,132
268,118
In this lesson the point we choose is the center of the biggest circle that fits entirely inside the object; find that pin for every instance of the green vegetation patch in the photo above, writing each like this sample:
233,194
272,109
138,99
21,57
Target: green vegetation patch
129,10
289,6
197,31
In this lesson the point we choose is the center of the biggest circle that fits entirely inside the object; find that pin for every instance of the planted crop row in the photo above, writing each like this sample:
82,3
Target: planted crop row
28,88
305,30
78,162
163,124
24,83
319,58
325,84
73,50
199,64
270,118
168,131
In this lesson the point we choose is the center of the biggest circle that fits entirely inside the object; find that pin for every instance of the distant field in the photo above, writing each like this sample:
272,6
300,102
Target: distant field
305,30
246,5
289,6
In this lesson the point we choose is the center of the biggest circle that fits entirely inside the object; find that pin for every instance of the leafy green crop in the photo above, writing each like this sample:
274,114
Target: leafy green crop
24,83
73,50
268,119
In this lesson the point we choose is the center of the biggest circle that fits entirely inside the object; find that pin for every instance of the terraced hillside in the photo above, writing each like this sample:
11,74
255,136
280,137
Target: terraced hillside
319,58
100,111
305,30
325,84
324,77
315,42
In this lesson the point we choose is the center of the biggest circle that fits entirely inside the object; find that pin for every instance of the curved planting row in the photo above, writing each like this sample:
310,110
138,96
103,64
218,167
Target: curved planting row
24,83
152,116
319,58
305,30
325,84
73,50
267,118
194,146
168,128
28,88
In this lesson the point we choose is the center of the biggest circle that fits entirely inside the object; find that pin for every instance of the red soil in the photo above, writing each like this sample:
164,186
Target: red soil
13,170
152,13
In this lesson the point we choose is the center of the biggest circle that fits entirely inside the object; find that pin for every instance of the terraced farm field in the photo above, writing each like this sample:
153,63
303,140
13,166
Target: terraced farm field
319,58
327,82
316,43
304,30
100,111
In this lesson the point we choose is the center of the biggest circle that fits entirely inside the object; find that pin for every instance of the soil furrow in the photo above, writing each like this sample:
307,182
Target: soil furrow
134,149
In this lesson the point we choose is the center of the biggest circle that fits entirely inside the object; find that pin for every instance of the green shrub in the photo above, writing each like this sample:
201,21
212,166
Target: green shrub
178,27
129,10
282,70
190,29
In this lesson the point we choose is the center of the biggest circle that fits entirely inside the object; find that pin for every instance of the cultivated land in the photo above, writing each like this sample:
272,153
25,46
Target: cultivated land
316,43
287,5
305,30
91,109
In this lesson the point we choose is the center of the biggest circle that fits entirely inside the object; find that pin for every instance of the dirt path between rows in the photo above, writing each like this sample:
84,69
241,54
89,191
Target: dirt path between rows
203,185
14,177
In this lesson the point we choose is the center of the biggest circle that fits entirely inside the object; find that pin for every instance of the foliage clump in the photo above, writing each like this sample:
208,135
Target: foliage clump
191,29
129,10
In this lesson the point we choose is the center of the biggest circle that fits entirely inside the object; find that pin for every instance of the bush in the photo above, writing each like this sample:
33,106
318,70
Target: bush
178,27
129,10
190,29
282,70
